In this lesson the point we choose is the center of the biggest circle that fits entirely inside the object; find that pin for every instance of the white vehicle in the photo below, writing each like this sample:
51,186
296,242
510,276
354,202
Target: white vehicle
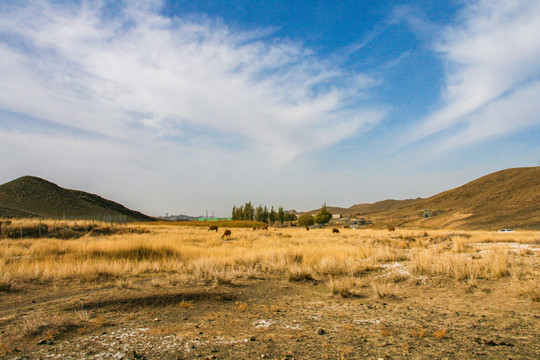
505,230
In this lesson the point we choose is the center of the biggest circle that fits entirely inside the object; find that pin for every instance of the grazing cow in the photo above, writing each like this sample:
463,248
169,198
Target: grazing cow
264,227
213,227
227,233
335,231
391,229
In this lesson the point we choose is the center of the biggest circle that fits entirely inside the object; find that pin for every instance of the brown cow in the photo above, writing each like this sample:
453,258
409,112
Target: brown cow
227,233
391,229
335,231
264,227
213,227
307,228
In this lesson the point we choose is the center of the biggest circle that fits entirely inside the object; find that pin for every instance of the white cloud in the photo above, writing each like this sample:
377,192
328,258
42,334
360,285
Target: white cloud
491,57
142,74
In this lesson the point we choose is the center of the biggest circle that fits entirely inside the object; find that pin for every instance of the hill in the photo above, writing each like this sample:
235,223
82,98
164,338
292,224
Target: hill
30,196
363,209
507,198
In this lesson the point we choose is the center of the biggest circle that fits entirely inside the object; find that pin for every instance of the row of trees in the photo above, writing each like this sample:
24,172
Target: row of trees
322,217
260,213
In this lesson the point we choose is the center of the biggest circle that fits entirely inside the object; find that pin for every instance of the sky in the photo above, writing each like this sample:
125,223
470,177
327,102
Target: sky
184,107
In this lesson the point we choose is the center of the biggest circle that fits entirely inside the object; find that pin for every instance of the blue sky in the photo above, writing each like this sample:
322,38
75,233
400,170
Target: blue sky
182,106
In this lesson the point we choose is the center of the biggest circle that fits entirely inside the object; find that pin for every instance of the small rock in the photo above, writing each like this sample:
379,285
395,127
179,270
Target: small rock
252,338
42,342
321,332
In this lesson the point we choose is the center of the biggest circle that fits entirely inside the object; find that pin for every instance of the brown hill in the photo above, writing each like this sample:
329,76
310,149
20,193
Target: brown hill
31,196
507,198
363,209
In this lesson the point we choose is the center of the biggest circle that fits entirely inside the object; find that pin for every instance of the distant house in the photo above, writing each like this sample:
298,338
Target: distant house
336,216
427,213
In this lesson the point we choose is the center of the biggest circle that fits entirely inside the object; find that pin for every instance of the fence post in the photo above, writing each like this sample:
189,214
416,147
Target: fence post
21,230
39,229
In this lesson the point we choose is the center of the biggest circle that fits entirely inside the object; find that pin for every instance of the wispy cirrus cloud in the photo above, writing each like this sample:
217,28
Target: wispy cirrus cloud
492,72
138,73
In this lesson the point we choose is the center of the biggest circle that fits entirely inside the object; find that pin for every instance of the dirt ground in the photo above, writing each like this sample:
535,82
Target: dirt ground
267,318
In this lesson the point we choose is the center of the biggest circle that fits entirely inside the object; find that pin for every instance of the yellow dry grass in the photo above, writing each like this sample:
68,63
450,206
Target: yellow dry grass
194,254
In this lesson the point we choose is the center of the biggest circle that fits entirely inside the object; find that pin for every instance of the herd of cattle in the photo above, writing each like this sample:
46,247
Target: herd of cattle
227,233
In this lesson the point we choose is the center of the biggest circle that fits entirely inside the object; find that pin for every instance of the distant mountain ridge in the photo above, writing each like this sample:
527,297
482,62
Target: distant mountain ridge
364,209
31,196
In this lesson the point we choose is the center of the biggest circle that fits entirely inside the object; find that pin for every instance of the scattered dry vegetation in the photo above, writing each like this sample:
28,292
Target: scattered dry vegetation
121,252
354,266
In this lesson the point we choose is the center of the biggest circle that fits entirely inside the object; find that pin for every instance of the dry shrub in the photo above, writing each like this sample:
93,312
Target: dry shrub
186,304
419,331
124,283
242,306
4,348
298,273
7,283
493,265
528,289
34,326
460,244
83,315
345,286
382,290
331,266
222,278
439,334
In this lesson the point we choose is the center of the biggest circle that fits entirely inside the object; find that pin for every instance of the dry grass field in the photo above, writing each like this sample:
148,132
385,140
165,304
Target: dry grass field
160,291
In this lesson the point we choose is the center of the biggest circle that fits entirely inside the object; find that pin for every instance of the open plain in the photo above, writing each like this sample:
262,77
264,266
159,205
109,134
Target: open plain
157,291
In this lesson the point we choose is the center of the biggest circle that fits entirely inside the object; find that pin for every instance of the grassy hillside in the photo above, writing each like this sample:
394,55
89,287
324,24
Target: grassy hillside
507,198
31,196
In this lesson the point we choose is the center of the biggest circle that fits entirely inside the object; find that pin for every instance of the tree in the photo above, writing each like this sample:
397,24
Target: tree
290,217
273,216
280,214
265,215
323,216
259,213
305,220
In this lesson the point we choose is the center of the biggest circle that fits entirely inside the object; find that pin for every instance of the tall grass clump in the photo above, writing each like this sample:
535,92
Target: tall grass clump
461,266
